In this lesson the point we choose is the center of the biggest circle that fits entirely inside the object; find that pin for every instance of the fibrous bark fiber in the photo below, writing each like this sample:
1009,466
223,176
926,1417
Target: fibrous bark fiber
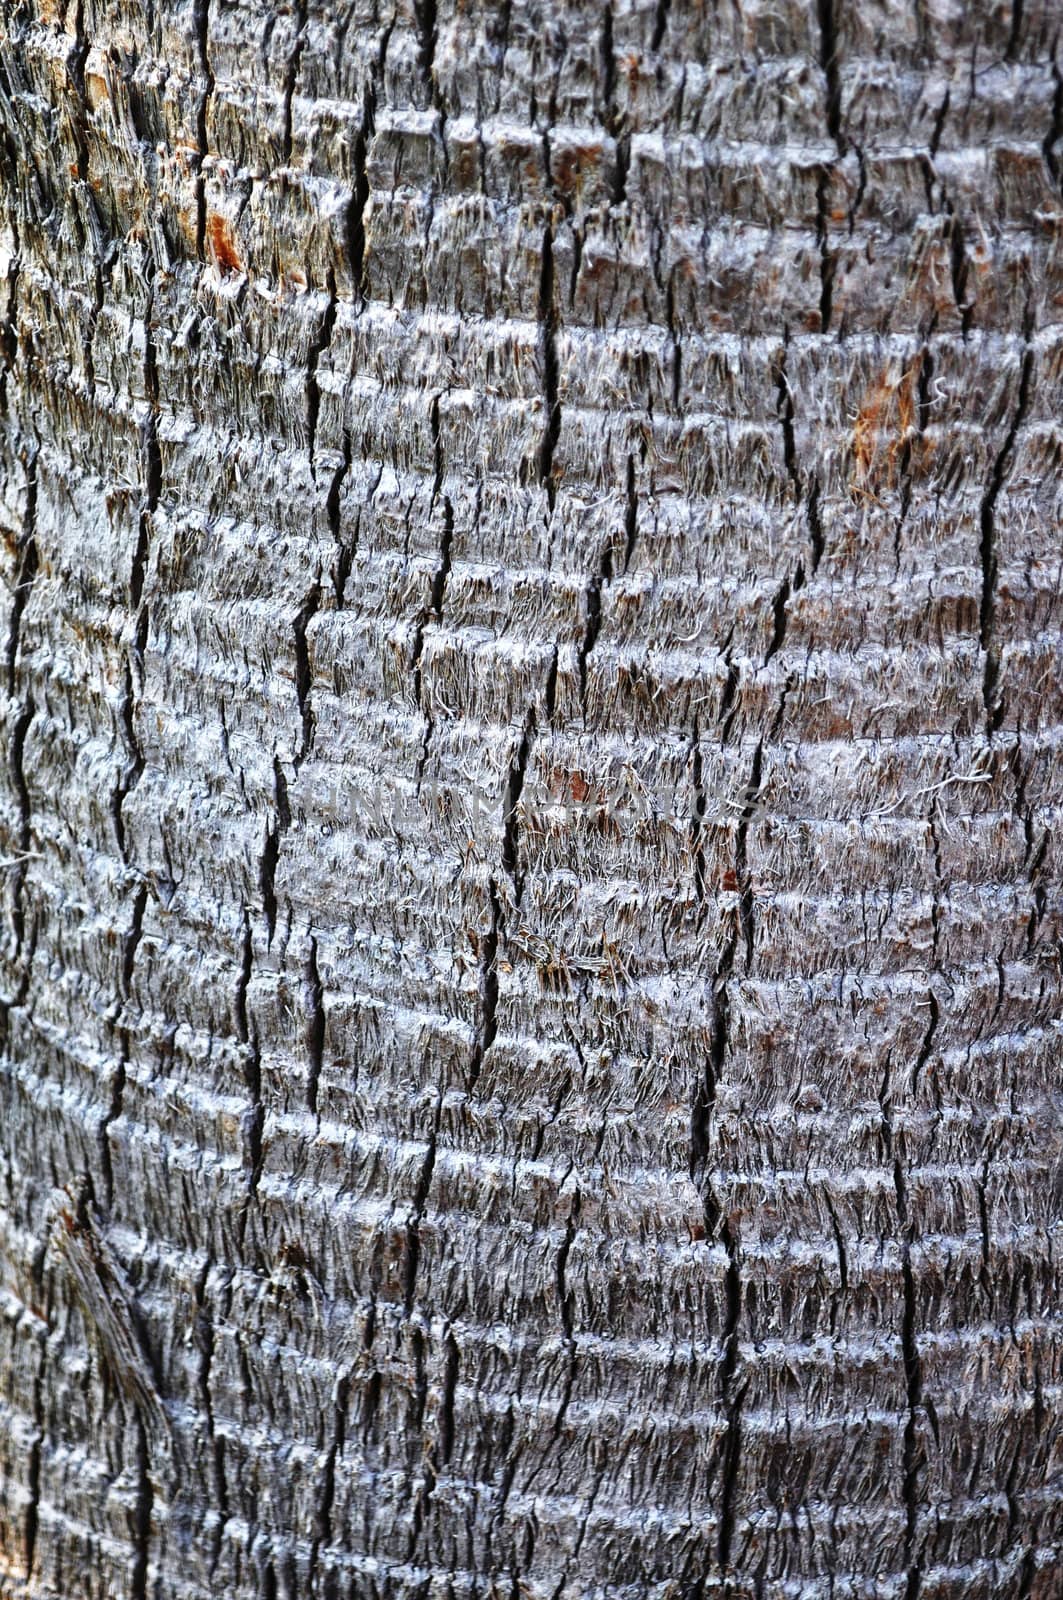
530,985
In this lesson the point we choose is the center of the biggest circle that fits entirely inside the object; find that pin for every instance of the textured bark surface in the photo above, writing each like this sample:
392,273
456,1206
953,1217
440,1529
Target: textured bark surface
530,993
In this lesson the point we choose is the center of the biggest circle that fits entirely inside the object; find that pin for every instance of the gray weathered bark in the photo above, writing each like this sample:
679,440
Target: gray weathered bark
530,1004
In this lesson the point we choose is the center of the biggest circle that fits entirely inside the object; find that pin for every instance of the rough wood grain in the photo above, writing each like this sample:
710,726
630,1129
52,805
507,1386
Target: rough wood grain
529,835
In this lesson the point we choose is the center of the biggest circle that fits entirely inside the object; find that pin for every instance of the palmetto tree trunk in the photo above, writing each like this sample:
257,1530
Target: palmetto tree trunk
530,1002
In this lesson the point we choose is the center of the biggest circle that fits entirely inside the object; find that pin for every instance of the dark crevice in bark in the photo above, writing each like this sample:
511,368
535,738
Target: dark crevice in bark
510,803
697,820
987,552
717,1224
548,353
417,1210
434,609
252,1068
282,821
592,600
827,261
114,1110
201,24
318,345
79,55
1055,131
451,1367
26,573
291,74
138,1578
780,615
360,198
612,120
303,674
31,1520
550,691
660,23
828,60
729,698
427,38
913,1454
315,1032
939,124
1015,31
928,1039
345,550
133,665
959,267
327,1495
843,1261
809,496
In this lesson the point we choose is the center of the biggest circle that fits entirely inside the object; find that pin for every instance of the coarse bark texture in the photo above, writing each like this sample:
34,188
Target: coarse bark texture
530,990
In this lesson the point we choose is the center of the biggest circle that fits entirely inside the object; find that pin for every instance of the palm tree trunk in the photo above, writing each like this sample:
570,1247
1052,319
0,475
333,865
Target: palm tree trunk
530,1002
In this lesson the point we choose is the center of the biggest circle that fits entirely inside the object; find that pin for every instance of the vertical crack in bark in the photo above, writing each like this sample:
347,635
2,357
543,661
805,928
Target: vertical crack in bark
1055,130
914,1460
346,550
282,821
959,267
827,262
303,675
138,1578
592,599
1035,853
548,323
322,1534
360,198
26,573
291,74
808,494
828,60
33,1468
612,117
717,1225
510,812
130,944
318,345
994,709
247,1036
315,1032
451,1368
434,610
201,24
133,665
660,23
418,1207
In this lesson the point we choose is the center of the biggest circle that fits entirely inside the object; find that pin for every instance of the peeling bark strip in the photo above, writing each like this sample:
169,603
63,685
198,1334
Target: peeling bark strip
611,1150
109,1304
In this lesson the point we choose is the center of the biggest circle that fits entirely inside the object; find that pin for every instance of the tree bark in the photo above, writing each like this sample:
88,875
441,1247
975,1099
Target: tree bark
530,998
